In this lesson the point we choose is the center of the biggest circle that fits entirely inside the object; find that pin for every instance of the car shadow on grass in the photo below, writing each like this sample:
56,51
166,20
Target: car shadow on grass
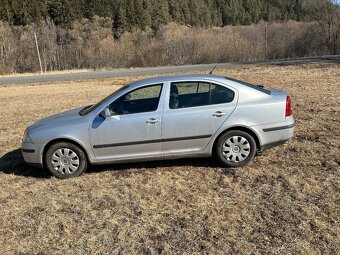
158,164
13,163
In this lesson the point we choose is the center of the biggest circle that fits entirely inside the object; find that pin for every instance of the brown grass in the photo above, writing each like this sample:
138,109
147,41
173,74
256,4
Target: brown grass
48,72
285,202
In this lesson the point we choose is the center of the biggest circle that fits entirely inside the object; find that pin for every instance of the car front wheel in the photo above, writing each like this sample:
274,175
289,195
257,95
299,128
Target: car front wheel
65,160
235,148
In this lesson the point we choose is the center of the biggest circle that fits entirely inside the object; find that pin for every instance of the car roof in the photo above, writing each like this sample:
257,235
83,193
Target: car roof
237,84
184,77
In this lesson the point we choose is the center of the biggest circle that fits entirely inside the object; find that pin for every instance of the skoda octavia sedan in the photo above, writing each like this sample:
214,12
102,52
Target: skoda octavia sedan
163,118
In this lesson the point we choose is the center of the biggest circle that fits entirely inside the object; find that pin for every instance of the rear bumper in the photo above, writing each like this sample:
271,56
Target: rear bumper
32,154
275,135
272,145
279,128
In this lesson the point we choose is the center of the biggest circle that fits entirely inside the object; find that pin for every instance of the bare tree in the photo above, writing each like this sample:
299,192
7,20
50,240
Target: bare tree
327,14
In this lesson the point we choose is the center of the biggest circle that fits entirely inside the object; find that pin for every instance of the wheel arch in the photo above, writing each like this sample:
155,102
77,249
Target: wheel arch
61,140
239,128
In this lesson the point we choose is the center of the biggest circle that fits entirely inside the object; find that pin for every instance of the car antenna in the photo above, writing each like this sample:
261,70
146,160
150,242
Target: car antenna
213,70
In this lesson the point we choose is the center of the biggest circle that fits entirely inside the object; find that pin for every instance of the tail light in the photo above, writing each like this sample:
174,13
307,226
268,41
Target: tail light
289,111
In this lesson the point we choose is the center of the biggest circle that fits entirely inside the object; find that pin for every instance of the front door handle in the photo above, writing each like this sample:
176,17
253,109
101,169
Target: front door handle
219,114
152,121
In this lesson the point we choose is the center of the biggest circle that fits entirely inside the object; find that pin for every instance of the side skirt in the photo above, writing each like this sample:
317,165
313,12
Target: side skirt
201,154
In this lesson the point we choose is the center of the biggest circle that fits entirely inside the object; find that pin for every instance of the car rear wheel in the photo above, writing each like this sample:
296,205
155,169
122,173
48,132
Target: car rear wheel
235,148
65,160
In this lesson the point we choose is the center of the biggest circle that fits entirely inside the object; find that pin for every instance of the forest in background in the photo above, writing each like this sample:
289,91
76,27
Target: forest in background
98,34
129,14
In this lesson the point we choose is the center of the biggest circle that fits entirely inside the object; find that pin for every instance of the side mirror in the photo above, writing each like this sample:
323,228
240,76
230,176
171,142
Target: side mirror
106,113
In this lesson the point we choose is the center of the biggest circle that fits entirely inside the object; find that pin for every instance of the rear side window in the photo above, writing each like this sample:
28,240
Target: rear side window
194,94
221,95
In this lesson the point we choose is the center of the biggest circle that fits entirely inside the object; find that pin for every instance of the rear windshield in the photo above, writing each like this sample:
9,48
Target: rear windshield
257,87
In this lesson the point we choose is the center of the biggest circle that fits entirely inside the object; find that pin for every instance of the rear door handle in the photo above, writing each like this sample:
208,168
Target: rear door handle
152,121
219,114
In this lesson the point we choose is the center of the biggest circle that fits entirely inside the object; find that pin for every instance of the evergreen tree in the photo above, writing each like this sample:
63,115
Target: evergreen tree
119,20
87,8
128,14
146,19
143,18
160,13
175,12
63,12
195,13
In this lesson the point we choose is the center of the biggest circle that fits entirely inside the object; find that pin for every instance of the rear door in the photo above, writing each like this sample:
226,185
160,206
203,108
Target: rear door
192,114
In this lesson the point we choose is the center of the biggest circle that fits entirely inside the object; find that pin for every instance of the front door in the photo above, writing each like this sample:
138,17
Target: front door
134,130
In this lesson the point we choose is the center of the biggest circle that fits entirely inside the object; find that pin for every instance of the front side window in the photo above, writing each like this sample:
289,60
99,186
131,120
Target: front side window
144,99
193,94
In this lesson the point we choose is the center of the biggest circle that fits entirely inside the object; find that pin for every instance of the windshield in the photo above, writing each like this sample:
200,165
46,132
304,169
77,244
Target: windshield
90,108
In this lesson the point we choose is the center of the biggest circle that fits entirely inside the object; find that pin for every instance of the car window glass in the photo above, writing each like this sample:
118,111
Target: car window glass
145,93
144,99
221,94
203,87
187,88
189,94
193,94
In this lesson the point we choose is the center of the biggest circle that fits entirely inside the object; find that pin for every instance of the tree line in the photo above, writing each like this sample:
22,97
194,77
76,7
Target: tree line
129,14
96,34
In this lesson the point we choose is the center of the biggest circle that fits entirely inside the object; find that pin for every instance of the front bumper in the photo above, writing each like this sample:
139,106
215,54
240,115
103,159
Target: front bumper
32,153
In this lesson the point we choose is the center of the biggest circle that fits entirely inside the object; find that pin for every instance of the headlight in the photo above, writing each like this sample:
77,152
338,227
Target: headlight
26,138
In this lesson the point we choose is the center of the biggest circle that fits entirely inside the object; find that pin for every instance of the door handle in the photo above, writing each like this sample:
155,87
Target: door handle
152,121
219,114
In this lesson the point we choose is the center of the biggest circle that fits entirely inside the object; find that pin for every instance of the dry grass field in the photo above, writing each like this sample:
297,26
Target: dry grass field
287,201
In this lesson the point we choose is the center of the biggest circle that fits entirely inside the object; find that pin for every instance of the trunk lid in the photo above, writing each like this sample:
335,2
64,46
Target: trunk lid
276,91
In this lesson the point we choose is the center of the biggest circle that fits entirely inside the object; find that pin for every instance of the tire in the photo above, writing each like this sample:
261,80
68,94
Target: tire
235,148
65,160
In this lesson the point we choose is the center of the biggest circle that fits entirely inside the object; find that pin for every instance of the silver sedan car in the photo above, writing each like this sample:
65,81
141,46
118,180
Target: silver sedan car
163,118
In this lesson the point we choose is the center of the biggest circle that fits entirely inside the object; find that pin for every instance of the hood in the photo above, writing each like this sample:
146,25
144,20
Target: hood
59,118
